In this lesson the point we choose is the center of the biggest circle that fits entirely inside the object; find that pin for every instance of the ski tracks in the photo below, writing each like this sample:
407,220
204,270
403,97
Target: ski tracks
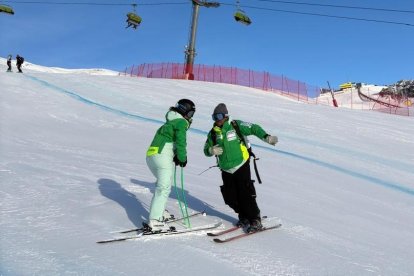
248,257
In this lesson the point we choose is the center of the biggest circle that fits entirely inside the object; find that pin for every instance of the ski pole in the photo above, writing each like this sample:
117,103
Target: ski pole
207,169
183,195
186,219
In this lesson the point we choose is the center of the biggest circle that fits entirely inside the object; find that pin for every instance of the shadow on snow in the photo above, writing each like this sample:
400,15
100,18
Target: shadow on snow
135,210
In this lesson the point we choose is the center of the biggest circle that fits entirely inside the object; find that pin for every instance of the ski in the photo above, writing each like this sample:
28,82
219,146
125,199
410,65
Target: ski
176,232
195,229
217,240
121,239
231,229
168,221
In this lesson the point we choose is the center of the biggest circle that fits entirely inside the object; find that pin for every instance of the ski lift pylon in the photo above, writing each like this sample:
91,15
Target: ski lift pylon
133,19
6,9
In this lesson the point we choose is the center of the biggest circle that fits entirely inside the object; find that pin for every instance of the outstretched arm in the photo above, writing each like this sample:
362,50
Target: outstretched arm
256,130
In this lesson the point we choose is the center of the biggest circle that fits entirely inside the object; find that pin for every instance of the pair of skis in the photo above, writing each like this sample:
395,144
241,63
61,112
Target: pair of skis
172,231
239,236
13,71
242,235
168,221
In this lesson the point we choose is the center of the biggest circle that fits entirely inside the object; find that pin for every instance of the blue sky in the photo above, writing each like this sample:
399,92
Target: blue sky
312,49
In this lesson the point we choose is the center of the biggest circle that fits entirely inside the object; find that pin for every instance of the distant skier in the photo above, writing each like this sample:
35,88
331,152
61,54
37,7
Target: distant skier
9,59
228,143
169,146
19,62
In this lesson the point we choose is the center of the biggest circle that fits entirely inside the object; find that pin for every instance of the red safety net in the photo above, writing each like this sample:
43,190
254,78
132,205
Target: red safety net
231,75
261,80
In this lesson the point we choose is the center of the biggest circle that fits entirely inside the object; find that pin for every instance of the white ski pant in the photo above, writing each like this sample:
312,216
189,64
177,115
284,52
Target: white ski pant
162,167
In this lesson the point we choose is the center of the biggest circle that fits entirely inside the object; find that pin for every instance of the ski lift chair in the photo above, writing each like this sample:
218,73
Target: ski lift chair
241,17
6,9
133,20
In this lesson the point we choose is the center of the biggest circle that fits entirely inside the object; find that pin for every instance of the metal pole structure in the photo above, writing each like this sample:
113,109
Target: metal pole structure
190,51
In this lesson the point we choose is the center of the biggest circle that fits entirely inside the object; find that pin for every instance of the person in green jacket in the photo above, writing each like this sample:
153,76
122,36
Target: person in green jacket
232,154
169,146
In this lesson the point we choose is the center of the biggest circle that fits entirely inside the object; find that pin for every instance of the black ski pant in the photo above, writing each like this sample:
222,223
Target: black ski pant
239,193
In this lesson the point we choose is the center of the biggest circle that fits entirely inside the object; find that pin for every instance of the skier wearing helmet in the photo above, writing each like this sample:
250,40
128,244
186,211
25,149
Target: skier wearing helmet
168,146
227,141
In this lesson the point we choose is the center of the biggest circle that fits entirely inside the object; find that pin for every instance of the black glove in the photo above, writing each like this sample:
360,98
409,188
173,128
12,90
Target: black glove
179,163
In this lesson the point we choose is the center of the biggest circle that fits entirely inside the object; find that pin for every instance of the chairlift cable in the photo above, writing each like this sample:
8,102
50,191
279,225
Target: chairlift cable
337,6
94,3
327,15
251,7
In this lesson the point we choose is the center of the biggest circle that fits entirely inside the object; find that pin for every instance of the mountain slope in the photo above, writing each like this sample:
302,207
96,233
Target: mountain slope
73,169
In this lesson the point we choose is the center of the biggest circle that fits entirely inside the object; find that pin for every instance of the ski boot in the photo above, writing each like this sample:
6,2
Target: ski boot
243,222
155,226
167,216
255,225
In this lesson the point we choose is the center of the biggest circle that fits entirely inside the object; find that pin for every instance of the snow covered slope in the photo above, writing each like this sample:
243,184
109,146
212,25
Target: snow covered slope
34,67
72,169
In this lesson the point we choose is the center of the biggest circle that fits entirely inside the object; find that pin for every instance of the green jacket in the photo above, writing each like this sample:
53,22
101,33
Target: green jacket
173,131
234,150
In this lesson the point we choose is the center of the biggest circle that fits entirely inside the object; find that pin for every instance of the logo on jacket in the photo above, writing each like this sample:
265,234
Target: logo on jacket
231,135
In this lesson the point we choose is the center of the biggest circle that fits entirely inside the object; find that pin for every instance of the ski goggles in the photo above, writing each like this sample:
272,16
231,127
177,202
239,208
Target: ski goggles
182,109
218,116
190,113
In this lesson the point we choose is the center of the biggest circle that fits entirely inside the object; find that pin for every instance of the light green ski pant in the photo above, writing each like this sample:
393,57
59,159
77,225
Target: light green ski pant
162,167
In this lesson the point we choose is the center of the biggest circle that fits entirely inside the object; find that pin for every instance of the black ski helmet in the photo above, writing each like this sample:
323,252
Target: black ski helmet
185,107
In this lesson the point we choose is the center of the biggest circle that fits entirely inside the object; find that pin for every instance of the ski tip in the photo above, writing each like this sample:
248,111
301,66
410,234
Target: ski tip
128,231
218,240
211,234
272,227
217,224
105,241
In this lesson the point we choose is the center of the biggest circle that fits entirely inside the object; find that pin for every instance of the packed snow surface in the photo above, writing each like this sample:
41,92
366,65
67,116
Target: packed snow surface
73,171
